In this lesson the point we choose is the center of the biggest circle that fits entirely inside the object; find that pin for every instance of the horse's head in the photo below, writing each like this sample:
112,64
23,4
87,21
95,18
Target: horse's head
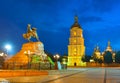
34,29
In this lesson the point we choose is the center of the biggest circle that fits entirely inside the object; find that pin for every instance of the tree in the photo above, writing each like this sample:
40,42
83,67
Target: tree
50,55
108,57
65,56
86,58
1,61
100,61
117,57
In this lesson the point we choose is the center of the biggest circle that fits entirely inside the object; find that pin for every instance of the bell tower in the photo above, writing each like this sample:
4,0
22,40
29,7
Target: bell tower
76,48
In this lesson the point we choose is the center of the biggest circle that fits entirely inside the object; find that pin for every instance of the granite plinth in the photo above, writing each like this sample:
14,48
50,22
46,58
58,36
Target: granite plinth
22,57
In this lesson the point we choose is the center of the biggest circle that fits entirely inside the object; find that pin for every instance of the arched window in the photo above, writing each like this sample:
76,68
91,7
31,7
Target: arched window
74,33
74,40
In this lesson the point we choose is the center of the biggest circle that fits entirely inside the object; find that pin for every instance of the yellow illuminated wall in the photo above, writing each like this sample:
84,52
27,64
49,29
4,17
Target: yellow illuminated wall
76,48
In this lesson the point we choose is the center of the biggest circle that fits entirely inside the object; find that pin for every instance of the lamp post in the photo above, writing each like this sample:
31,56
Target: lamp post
56,57
7,47
2,54
2,59
64,63
28,53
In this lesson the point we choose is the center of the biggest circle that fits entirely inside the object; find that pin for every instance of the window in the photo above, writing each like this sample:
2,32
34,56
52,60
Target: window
74,40
75,49
74,33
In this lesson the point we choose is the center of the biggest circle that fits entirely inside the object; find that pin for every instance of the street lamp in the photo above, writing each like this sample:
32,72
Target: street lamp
28,53
2,54
7,47
64,63
56,57
2,59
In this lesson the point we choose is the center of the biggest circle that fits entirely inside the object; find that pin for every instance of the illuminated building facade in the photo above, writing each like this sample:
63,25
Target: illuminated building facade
96,53
109,48
76,48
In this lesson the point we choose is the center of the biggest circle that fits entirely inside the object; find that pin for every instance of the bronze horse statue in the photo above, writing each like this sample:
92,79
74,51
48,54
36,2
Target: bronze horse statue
30,33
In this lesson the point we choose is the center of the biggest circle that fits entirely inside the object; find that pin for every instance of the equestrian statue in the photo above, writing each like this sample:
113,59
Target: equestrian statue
30,33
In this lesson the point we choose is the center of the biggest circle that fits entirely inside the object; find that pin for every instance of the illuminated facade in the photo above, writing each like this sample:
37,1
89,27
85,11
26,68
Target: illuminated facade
97,54
76,48
109,48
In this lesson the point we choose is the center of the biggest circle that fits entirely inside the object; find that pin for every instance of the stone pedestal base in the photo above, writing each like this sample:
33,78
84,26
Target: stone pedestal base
22,58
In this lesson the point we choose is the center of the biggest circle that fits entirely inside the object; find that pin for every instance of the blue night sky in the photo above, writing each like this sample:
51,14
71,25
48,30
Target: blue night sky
100,21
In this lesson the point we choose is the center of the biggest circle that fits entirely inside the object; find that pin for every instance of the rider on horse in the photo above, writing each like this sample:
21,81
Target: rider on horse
30,33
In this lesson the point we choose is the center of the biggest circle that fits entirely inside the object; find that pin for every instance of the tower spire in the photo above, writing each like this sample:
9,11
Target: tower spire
109,43
76,19
76,24
109,47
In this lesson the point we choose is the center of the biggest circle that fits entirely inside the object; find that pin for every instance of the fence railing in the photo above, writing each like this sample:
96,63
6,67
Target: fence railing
37,66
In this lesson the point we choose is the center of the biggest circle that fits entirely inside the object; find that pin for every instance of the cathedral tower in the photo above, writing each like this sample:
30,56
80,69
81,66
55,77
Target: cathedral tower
109,48
76,48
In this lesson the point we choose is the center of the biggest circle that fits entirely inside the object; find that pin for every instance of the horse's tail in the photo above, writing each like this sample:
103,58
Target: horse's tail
37,39
36,36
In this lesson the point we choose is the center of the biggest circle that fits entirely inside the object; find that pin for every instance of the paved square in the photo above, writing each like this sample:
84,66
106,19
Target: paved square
74,75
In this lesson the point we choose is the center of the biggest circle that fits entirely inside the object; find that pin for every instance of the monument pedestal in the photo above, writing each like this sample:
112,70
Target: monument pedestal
22,58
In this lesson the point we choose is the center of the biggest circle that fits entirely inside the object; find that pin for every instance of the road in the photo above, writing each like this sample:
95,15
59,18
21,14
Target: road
74,75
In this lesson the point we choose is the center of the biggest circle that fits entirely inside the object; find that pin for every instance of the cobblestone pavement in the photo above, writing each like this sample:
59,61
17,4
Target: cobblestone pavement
73,75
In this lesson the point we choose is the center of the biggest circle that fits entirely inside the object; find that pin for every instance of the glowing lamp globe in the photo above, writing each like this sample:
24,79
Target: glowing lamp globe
8,47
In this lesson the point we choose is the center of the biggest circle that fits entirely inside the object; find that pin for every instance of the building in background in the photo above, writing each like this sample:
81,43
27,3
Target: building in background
97,55
76,47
